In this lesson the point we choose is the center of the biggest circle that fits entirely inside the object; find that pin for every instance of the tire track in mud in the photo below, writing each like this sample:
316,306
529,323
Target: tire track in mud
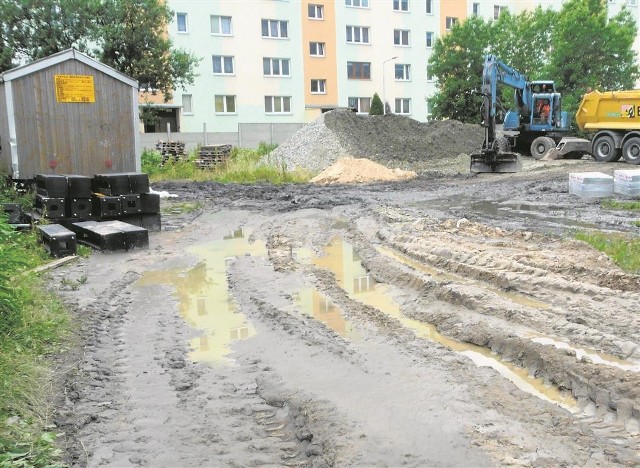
280,253
610,394
132,397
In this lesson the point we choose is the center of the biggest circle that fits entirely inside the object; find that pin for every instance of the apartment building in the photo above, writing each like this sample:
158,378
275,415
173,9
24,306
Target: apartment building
287,61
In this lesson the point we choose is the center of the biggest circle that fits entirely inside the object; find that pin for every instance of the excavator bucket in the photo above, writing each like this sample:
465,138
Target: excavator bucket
493,161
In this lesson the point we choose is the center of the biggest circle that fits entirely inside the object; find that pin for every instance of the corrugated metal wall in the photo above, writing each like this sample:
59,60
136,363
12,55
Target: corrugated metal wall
82,138
5,151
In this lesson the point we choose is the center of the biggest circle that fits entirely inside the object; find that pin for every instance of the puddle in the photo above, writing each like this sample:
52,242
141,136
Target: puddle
549,214
445,276
346,265
316,305
592,355
203,296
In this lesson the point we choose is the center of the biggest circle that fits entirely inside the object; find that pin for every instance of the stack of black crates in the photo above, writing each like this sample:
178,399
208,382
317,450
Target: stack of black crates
122,196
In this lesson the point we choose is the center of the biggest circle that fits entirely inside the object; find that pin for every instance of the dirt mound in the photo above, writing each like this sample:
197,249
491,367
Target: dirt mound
391,140
351,170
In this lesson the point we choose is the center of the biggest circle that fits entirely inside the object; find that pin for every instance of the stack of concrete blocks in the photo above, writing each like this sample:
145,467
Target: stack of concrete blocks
627,182
590,184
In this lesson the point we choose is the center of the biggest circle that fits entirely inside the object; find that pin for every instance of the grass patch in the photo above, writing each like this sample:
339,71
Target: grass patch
182,207
623,250
33,324
244,166
621,205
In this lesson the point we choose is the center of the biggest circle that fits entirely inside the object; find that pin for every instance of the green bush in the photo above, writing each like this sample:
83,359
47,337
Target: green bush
376,105
151,161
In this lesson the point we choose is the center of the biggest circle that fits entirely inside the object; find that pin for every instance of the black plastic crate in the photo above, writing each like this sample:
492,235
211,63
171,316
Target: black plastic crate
139,182
111,184
151,221
79,186
131,204
51,186
50,208
150,202
58,240
79,208
133,219
100,235
13,211
135,236
106,206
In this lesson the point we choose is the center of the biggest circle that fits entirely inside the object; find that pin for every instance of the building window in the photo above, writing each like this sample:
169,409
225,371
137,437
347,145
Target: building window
181,21
401,5
497,10
221,25
274,28
357,34
361,104
318,86
401,37
222,64
403,106
357,3
429,7
359,70
631,2
476,8
275,67
316,11
187,104
277,104
430,37
402,71
449,22
225,104
316,49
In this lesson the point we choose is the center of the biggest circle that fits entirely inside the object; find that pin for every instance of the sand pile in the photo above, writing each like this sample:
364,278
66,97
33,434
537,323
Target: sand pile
359,171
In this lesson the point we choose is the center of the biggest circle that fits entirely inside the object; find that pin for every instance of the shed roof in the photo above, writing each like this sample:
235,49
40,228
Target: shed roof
68,54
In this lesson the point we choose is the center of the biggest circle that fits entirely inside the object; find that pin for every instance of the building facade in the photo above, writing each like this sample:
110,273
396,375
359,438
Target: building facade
287,61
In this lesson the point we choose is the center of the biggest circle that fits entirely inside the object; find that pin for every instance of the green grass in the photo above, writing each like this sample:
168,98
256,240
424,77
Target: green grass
33,326
182,207
621,205
244,166
623,250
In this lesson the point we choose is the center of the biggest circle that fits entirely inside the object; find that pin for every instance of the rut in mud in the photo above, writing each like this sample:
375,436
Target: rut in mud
433,322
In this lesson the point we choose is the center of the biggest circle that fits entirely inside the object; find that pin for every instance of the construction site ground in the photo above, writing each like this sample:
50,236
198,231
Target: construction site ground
447,320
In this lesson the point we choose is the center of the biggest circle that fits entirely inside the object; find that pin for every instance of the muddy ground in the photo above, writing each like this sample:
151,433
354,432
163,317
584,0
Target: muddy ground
450,320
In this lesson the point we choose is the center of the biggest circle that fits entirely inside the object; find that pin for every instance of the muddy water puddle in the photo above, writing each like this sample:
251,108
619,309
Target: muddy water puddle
203,296
343,261
549,214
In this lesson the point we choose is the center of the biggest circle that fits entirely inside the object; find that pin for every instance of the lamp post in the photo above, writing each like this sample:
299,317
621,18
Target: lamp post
384,99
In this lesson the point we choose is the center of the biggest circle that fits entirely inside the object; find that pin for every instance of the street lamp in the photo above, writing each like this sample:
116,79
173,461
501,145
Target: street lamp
384,99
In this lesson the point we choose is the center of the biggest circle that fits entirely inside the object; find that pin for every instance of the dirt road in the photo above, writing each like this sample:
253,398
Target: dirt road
436,322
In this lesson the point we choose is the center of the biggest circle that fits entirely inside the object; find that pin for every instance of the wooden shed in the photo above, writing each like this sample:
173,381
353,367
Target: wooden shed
68,114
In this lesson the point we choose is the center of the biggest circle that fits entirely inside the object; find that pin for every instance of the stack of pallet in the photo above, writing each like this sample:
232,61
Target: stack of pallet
212,155
113,211
171,150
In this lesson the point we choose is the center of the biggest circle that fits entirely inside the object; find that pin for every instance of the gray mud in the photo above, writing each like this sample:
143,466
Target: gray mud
377,325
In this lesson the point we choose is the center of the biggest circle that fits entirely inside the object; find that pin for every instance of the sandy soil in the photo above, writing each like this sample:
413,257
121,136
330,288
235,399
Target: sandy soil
440,321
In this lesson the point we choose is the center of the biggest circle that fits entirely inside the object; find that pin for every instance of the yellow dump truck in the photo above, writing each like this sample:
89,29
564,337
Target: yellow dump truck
614,116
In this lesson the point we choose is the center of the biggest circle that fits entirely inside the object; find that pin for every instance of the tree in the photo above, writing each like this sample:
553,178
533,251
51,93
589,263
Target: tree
33,29
376,105
128,35
457,62
590,50
132,39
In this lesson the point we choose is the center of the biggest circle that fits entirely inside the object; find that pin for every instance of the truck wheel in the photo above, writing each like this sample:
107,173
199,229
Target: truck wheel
501,145
604,149
541,146
631,150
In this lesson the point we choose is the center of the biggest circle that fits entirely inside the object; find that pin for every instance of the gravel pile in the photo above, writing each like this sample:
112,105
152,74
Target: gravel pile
392,140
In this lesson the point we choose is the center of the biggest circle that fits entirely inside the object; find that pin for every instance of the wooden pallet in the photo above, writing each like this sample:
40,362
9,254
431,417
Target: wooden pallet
212,155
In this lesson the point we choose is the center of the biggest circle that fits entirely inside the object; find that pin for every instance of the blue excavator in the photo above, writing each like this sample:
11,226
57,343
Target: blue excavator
534,126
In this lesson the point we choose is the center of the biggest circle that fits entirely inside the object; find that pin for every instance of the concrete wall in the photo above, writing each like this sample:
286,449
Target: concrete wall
247,136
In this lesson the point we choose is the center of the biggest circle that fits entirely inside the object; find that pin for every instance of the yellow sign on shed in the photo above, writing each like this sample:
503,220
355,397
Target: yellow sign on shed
74,88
